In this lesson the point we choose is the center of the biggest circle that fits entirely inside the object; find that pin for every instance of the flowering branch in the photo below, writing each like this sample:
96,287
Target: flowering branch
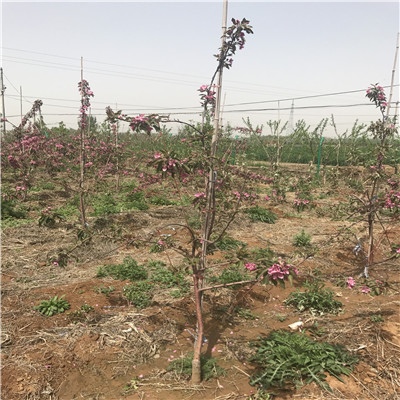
32,112
140,123
86,93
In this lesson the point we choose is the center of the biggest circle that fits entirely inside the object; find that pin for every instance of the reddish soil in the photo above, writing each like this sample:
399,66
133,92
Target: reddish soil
95,355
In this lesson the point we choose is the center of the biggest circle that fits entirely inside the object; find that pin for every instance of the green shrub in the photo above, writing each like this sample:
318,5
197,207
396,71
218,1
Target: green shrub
209,367
302,239
229,243
104,204
128,270
139,294
377,319
245,313
161,201
135,200
166,278
316,298
48,186
10,209
260,214
286,359
55,305
105,290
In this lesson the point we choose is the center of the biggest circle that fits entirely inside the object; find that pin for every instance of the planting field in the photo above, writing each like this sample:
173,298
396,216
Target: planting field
129,319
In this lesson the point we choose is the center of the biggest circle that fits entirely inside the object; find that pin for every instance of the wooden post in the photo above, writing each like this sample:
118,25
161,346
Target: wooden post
20,102
393,75
3,88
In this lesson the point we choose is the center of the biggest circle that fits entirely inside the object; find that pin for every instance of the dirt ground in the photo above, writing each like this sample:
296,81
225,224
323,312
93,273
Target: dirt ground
96,355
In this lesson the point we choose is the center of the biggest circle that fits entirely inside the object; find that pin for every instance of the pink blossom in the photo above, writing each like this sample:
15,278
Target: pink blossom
200,195
250,266
157,155
350,283
365,289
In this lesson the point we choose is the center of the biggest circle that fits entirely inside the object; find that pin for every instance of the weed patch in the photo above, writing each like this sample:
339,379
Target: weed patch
286,359
317,299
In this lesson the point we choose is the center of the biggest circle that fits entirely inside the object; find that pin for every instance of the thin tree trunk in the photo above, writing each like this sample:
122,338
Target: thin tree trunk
209,219
82,162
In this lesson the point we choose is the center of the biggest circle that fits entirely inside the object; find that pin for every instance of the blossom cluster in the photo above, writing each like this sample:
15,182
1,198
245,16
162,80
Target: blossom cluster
281,270
250,266
392,200
234,38
86,93
372,287
248,175
138,124
377,95
300,204
207,96
37,104
245,196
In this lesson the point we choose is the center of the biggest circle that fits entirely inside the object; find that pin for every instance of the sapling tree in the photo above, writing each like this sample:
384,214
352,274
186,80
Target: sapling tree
86,93
205,162
36,109
374,199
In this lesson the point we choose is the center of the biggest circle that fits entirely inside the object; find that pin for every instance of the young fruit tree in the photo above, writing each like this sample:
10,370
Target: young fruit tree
214,169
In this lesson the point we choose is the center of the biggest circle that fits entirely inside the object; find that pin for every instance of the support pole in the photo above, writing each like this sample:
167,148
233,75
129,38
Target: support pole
393,75
20,101
3,88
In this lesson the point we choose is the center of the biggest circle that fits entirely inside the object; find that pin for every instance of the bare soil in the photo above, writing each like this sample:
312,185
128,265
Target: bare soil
96,356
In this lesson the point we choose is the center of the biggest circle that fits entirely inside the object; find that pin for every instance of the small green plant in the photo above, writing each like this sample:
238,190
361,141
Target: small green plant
135,200
286,359
377,319
317,299
194,222
229,243
281,317
260,214
316,331
262,395
49,217
161,201
177,293
246,313
139,294
302,239
166,278
128,270
48,186
132,385
10,209
209,367
86,308
55,305
104,290
104,204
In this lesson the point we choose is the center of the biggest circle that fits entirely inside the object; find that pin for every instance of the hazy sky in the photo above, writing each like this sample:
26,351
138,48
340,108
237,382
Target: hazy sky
153,56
